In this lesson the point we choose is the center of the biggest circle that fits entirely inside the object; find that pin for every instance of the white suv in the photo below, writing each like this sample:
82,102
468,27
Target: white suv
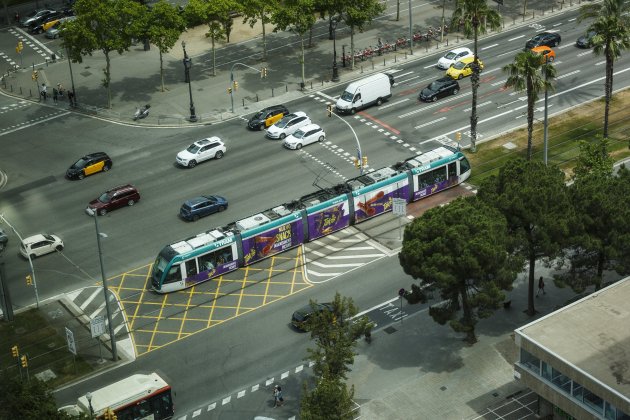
41,244
288,125
201,150
308,134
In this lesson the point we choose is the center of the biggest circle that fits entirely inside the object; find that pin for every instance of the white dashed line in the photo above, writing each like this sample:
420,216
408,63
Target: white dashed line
516,37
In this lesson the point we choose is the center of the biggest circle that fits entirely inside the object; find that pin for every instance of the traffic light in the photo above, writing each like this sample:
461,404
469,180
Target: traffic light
458,136
263,72
35,75
24,360
357,163
235,85
229,90
15,351
19,47
29,280
364,161
330,110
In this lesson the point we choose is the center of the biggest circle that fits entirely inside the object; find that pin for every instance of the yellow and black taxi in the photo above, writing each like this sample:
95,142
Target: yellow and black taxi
267,117
88,165
463,68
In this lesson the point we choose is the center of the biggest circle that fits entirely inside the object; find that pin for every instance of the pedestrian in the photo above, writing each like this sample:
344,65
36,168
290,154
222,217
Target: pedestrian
277,396
17,17
541,286
55,94
71,98
60,89
44,91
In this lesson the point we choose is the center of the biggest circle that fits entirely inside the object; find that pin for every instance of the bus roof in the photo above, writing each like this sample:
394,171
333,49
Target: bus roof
121,393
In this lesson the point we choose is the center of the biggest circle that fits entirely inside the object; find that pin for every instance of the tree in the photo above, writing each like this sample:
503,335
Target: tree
214,13
297,16
32,399
164,27
255,10
477,18
357,14
335,337
612,29
534,200
463,251
524,74
602,206
106,26
330,399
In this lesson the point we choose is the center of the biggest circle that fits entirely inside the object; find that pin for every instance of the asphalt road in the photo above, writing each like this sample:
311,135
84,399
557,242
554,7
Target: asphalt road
41,142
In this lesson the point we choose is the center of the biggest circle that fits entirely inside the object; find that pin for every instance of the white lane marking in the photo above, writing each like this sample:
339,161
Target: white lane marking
61,114
557,24
89,299
212,406
254,388
226,400
478,106
584,53
404,74
429,123
428,67
284,375
330,98
490,71
436,104
564,46
393,103
196,413
500,82
333,265
571,73
510,52
517,37
600,63
240,394
318,274
489,46
572,19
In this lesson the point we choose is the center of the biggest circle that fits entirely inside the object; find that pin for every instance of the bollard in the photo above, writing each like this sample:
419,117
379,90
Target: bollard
30,93
361,68
543,12
437,45
21,90
372,65
12,88
256,97
272,95
286,88
427,47
533,14
243,102
311,85
447,42
46,62
394,60
513,21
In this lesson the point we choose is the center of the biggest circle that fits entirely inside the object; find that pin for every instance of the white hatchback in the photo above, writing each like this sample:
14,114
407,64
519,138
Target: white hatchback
40,244
288,125
201,150
308,134
453,57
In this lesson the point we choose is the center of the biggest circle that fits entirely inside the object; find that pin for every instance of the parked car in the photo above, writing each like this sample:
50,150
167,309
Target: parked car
56,30
304,136
41,25
546,53
288,125
267,117
208,148
586,40
439,89
4,239
453,57
550,39
88,165
202,206
463,68
35,14
41,244
115,198
302,316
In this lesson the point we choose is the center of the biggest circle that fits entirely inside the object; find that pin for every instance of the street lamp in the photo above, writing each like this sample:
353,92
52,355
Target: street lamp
89,398
72,101
335,72
187,65
546,132
94,214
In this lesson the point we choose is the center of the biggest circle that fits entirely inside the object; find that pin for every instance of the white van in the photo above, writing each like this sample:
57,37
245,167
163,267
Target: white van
360,94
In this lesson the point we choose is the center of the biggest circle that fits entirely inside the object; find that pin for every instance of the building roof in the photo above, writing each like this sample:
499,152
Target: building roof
592,334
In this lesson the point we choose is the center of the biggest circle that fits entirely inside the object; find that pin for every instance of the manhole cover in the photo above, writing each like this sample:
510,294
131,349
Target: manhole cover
443,388
390,330
46,375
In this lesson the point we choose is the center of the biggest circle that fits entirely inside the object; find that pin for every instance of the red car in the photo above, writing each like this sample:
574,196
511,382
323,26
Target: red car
123,195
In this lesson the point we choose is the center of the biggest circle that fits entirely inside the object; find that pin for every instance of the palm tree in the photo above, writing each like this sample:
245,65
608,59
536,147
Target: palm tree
524,75
612,29
477,18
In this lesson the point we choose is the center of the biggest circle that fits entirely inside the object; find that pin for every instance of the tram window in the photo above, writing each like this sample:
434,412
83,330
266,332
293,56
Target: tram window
433,177
207,262
452,170
464,166
166,406
173,274
225,255
191,267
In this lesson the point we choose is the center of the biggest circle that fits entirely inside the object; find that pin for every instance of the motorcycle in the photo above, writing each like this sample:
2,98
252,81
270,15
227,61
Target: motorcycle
141,112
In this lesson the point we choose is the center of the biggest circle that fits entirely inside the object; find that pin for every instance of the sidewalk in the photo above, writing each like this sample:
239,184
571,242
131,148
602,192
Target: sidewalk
136,81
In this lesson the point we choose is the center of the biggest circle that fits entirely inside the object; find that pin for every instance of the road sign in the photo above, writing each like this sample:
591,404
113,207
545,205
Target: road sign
97,326
400,206
71,344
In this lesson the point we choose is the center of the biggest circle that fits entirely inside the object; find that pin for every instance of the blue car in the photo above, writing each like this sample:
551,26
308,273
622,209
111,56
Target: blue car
201,206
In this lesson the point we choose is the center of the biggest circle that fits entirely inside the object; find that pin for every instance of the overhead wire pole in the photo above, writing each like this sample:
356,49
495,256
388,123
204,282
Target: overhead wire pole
30,260
546,124
263,74
356,138
410,31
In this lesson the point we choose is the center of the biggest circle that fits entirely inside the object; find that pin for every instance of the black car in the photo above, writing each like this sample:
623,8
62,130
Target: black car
35,14
439,89
300,317
267,117
585,41
549,39
35,22
88,165
201,206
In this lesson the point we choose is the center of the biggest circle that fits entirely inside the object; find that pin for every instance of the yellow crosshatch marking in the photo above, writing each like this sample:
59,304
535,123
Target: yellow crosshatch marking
158,320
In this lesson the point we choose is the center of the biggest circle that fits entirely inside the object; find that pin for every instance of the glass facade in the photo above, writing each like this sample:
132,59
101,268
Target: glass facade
564,384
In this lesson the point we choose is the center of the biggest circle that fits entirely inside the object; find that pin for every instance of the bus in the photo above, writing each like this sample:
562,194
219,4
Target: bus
138,397
210,254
